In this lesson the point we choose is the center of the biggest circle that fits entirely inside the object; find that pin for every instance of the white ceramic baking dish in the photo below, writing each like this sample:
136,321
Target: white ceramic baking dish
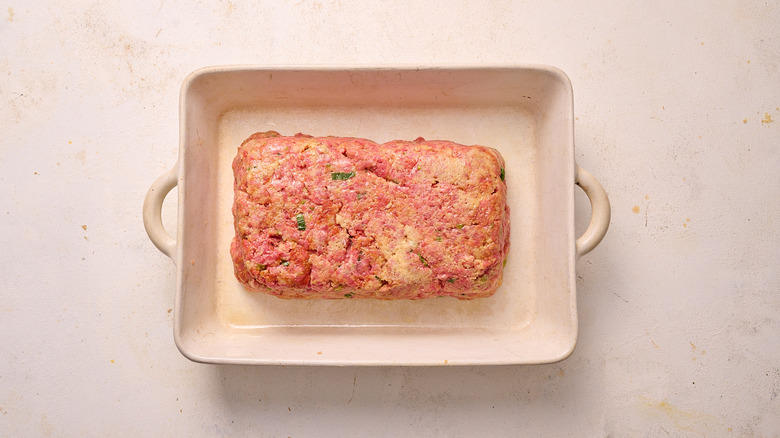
525,112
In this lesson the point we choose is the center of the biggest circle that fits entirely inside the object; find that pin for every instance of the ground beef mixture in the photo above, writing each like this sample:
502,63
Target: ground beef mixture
336,217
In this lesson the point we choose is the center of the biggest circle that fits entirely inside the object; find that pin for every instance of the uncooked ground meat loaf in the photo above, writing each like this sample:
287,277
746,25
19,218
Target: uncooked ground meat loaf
336,217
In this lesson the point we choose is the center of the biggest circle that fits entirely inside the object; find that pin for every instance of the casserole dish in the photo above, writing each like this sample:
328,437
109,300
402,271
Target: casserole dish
525,112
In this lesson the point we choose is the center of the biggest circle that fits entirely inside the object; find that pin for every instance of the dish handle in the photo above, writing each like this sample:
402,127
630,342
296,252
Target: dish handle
153,212
600,212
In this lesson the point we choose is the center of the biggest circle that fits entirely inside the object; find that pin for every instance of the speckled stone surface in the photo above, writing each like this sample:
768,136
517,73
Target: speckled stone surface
677,107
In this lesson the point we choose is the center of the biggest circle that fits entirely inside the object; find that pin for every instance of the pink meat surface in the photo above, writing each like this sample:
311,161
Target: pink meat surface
337,217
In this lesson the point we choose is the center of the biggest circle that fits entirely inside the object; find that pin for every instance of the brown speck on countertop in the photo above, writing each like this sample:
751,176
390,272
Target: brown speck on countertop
170,310
635,209
10,15
192,262
319,352
112,361
647,197
70,142
84,227
744,120
767,118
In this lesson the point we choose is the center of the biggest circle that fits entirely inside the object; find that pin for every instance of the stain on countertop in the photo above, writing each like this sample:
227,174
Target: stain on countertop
682,419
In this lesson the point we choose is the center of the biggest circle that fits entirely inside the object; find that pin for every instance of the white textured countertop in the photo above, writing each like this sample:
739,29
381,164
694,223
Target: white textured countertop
678,308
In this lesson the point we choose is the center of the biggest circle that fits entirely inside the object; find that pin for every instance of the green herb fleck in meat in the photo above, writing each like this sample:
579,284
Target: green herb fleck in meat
261,267
343,176
348,295
502,174
460,226
451,280
285,263
424,262
301,221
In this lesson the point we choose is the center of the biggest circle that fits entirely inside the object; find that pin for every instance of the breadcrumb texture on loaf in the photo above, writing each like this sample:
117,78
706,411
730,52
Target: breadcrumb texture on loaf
340,217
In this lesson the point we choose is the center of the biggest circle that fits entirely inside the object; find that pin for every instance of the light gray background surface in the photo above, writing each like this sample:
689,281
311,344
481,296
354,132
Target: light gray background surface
678,115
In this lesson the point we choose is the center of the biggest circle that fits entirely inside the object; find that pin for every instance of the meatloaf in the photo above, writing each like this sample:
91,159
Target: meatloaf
336,217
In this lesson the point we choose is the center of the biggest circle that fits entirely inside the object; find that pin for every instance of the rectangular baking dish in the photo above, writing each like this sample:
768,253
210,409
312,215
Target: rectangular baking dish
526,112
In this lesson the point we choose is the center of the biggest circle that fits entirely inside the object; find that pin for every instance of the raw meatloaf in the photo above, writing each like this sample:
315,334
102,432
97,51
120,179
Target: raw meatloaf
335,217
